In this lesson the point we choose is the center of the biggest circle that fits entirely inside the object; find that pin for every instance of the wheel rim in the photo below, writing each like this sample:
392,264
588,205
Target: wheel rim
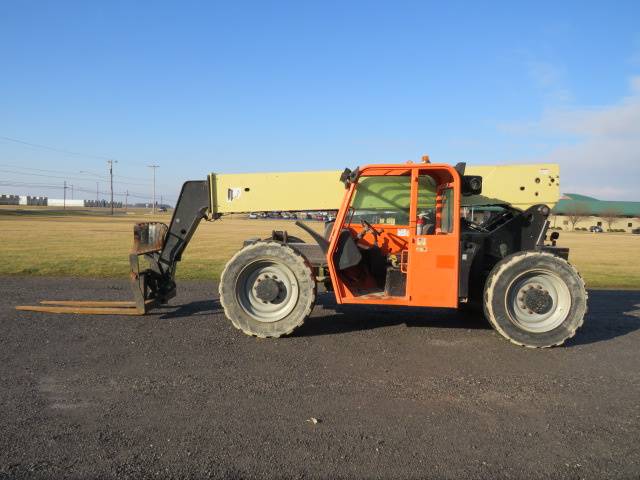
267,290
538,301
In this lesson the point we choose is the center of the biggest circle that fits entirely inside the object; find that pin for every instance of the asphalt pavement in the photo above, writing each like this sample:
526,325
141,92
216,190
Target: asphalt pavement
395,393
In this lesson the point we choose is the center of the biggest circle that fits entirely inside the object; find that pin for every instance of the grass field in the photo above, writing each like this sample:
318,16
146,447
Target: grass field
42,242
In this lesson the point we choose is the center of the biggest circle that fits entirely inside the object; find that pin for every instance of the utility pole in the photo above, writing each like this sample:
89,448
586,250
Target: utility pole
111,162
126,200
154,167
64,197
71,192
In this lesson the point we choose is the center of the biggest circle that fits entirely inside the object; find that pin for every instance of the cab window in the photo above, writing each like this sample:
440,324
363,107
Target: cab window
427,194
446,215
382,200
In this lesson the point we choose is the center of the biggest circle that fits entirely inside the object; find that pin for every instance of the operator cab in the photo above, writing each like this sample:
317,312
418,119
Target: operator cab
397,237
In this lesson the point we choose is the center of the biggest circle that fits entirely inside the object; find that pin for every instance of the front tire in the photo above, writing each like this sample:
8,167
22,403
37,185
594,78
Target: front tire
267,289
535,299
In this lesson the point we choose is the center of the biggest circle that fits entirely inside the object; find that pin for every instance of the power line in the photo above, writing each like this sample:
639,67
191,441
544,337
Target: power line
53,186
115,176
54,149
63,150
103,177
28,174
20,167
13,183
66,175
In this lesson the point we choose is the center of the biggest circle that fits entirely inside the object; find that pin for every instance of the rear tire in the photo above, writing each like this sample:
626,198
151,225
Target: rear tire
267,289
535,299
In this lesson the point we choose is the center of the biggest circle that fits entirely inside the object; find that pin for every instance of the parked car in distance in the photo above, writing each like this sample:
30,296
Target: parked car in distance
253,215
595,229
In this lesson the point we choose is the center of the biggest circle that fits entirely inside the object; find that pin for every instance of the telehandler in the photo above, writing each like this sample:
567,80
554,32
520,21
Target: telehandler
410,234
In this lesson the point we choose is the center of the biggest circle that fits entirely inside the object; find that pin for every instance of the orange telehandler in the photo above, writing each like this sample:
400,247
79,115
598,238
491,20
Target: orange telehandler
400,237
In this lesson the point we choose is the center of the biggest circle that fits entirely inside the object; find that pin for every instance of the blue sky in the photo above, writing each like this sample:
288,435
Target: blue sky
266,86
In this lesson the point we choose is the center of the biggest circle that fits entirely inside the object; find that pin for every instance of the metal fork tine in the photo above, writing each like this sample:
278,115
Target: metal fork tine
83,310
88,303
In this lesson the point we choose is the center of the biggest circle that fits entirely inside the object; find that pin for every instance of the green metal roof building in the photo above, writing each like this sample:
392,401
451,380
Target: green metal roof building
588,211
569,202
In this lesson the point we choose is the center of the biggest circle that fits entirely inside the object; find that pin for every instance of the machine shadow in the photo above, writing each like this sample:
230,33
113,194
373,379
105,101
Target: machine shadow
199,308
336,319
612,314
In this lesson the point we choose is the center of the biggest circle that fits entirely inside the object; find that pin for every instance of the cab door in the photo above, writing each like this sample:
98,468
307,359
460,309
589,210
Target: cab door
433,257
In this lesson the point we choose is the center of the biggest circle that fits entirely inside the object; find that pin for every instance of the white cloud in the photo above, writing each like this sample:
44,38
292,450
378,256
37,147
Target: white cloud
621,120
604,193
601,151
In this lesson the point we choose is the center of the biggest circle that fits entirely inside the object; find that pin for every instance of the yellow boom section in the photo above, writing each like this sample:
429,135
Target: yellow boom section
518,185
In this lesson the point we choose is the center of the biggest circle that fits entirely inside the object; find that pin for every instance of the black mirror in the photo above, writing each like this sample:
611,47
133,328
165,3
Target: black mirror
348,176
471,185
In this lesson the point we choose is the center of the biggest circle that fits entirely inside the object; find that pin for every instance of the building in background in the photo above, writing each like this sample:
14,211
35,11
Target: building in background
579,212
9,199
27,200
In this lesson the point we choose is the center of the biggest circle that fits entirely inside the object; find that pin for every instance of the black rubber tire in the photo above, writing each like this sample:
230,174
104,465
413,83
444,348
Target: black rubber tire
275,252
496,297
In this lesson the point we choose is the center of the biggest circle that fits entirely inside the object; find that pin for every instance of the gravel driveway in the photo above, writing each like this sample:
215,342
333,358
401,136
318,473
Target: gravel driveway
396,392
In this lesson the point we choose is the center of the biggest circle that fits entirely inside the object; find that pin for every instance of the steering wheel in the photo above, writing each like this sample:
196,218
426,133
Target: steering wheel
368,228
475,226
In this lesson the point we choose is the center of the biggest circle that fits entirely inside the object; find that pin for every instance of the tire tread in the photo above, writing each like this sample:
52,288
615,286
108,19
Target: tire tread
489,291
299,262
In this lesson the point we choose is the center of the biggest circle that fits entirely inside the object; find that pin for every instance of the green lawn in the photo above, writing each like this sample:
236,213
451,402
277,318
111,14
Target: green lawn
96,245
